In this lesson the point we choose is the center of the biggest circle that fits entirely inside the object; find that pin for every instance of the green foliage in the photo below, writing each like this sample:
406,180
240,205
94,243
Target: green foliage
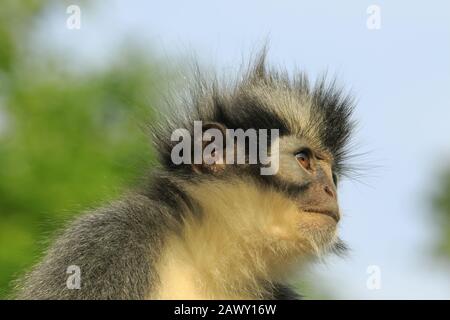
442,205
67,141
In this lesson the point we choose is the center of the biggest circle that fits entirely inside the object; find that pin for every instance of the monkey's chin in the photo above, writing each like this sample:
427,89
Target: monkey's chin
319,231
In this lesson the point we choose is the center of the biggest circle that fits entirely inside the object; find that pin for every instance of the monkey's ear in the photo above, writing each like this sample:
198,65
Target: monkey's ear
211,148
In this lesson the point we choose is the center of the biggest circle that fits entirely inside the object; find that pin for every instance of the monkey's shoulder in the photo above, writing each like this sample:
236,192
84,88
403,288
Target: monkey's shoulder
112,248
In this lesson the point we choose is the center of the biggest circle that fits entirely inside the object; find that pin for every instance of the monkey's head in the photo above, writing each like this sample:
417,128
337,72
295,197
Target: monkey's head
292,208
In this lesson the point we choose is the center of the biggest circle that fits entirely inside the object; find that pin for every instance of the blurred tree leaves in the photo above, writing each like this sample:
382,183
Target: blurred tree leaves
441,203
67,140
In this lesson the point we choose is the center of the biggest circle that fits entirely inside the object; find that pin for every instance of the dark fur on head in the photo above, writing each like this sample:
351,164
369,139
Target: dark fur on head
243,105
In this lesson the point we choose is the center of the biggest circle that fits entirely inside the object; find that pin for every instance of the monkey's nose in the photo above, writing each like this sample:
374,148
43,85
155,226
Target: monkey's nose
329,191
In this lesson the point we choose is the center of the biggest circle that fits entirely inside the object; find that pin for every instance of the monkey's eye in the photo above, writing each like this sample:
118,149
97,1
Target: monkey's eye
304,159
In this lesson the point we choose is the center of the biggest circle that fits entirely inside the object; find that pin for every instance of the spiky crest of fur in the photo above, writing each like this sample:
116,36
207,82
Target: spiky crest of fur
263,98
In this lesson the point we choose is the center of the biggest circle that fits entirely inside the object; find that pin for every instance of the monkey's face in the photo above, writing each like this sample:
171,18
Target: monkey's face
294,209
308,182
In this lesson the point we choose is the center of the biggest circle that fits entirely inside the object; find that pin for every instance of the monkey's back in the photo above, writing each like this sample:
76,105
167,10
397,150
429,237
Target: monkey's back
114,248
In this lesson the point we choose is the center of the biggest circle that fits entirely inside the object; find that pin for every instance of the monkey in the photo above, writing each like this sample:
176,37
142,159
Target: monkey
210,229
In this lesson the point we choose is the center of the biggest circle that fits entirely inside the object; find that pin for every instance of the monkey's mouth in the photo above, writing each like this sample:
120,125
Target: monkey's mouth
331,213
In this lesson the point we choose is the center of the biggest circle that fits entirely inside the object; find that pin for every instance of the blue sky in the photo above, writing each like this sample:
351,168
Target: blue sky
400,75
